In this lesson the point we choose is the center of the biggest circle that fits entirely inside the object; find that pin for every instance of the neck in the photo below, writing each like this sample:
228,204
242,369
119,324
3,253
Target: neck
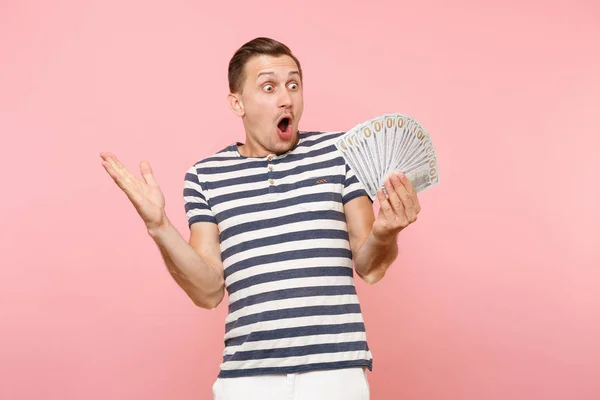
249,149
253,149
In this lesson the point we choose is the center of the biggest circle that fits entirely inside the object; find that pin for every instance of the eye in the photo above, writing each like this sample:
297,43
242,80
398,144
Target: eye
268,88
293,86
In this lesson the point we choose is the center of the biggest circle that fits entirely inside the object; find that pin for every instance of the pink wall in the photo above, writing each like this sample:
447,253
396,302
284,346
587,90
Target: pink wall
495,293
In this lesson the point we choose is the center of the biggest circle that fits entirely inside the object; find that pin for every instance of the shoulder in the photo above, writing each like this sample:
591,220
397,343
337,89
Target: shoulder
317,140
211,167
228,153
309,136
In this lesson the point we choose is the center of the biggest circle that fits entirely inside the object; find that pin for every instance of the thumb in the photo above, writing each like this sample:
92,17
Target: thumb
146,171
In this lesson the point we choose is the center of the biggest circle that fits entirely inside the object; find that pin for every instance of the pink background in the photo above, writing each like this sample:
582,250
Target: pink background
495,294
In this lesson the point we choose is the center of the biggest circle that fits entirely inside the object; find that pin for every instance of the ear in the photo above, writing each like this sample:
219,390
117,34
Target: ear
235,102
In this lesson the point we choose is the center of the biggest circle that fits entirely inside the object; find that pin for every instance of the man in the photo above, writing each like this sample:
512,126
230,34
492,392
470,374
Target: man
279,221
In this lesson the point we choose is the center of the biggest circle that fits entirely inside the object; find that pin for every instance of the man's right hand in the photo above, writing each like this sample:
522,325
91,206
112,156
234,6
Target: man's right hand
196,266
145,195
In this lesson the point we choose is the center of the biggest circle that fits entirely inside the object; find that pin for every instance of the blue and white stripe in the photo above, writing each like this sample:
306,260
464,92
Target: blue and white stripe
287,261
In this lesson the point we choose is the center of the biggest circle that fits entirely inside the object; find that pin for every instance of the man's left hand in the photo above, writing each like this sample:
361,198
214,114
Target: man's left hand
398,209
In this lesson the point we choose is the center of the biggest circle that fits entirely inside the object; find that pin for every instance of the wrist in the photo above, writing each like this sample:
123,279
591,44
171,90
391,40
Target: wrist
384,240
157,229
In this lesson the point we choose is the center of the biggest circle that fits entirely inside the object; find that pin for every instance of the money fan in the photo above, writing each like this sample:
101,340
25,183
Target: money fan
390,143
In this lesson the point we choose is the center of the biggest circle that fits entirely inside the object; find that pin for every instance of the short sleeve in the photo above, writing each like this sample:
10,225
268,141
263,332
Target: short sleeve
353,188
197,208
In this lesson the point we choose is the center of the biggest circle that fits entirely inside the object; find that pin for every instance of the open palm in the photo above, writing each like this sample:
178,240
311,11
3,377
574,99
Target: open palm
145,195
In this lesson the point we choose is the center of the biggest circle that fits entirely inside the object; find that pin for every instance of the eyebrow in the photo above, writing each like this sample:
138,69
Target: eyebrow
272,73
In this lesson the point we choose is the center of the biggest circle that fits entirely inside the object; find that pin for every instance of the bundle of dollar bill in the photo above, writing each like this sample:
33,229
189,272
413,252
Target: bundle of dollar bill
390,143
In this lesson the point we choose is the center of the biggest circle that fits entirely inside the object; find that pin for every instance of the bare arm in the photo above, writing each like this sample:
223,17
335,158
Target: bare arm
374,240
372,256
196,266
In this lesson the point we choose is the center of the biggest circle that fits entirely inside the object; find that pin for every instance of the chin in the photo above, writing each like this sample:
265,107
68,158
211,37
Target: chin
291,140
282,147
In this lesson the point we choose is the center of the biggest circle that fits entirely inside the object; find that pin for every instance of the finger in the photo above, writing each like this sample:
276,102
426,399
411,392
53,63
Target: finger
114,164
116,176
385,207
122,177
118,167
400,190
412,193
133,196
401,209
405,187
394,199
111,171
147,174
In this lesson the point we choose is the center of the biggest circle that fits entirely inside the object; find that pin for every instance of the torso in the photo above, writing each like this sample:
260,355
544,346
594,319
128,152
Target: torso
287,262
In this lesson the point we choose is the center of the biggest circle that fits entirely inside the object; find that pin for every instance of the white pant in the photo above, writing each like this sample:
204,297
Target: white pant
346,384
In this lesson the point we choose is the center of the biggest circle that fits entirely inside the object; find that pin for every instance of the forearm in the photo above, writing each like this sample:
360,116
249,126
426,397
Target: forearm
375,256
202,281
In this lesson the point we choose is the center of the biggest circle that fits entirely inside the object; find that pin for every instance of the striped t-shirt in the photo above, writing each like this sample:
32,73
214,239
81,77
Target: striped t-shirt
293,306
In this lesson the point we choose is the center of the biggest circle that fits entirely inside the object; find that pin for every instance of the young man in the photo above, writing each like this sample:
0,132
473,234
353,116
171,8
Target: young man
279,222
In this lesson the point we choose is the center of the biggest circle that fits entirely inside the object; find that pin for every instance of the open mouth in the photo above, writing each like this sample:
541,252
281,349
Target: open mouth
284,128
284,124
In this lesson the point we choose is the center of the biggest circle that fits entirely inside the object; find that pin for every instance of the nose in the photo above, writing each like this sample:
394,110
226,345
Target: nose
285,99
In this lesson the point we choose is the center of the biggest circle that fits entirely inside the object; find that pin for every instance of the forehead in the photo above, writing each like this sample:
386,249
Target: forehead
281,66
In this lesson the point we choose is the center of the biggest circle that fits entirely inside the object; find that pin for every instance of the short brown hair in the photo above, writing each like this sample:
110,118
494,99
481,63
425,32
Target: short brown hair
255,47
